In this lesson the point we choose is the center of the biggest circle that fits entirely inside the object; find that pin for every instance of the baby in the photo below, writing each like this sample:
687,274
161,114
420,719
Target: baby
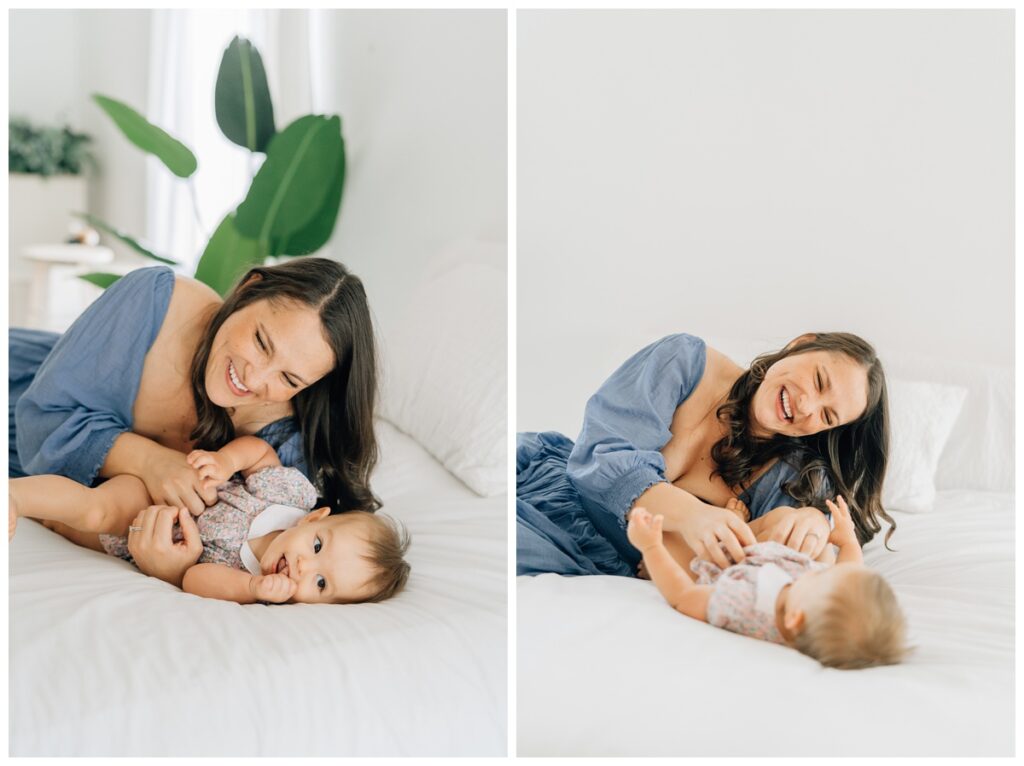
260,540
843,615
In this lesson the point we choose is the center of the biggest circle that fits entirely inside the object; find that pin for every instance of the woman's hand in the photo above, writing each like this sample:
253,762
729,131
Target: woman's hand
153,547
171,481
803,529
707,530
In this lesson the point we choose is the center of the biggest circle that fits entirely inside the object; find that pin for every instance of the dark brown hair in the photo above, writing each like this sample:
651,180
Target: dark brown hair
848,460
335,414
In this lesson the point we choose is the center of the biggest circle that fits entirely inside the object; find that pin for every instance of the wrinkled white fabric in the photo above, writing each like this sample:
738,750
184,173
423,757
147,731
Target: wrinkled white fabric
108,662
952,572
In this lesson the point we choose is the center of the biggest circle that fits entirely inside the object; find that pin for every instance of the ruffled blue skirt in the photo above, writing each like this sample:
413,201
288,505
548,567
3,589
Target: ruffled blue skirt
26,350
553,531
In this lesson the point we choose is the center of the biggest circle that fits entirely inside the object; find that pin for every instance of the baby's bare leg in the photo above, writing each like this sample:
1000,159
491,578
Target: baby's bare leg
108,508
85,539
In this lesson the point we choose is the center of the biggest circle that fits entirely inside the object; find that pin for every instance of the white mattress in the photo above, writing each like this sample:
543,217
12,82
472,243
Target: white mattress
606,667
105,661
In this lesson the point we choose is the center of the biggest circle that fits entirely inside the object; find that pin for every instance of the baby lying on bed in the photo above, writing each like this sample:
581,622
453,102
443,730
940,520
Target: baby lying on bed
843,615
260,540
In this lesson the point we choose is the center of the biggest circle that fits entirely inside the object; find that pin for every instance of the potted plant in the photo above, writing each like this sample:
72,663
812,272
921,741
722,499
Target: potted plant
46,180
293,200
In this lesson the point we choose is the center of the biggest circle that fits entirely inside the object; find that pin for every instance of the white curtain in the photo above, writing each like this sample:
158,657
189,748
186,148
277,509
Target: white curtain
186,50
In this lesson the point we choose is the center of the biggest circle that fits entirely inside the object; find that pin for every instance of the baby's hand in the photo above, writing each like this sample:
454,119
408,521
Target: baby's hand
843,531
644,530
275,588
213,467
738,507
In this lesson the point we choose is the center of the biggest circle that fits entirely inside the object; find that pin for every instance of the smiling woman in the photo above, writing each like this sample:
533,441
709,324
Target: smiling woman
295,339
681,430
158,366
248,366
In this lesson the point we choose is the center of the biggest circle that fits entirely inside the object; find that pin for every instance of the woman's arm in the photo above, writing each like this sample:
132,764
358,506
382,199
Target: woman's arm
616,462
80,398
704,527
673,582
227,584
168,477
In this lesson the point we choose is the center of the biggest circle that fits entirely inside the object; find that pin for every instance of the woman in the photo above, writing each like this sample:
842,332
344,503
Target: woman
800,425
159,365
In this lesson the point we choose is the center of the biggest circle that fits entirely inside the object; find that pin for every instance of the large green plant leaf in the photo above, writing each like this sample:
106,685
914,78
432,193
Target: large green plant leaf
227,256
293,184
148,137
242,102
100,279
315,234
133,243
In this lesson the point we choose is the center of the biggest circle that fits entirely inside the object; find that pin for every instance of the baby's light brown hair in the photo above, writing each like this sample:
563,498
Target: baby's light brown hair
860,625
389,542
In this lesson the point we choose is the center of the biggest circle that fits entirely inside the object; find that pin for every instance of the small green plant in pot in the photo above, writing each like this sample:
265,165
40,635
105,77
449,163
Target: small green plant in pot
45,151
293,200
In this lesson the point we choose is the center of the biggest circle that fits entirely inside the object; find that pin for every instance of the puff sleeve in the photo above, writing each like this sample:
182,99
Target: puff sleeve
286,439
82,395
626,423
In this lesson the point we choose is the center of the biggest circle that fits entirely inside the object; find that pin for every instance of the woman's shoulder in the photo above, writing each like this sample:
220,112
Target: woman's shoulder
191,300
715,367
191,293
720,367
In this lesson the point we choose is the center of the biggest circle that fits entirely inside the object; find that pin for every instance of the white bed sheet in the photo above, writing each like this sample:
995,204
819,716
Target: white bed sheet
605,667
105,661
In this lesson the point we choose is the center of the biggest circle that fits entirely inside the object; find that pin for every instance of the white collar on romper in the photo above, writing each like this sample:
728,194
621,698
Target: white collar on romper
771,579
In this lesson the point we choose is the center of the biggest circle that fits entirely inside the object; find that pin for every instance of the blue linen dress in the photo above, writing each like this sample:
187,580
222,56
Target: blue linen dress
571,499
72,395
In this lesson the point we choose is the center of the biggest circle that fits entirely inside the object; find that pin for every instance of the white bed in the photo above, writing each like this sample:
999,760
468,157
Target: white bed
605,667
105,661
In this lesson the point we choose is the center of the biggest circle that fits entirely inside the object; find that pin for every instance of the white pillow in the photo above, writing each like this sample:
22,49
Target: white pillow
445,381
979,453
921,418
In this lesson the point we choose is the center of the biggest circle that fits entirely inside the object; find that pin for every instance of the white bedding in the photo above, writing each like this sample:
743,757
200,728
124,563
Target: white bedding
605,667
105,661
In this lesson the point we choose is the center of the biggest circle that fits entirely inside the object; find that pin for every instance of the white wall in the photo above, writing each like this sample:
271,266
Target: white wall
58,59
114,60
423,97
760,173
43,66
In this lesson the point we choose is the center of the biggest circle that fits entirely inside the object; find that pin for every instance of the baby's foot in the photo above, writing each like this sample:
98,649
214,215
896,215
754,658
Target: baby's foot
738,507
12,515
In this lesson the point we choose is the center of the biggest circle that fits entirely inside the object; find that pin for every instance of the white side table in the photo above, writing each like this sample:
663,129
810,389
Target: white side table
56,295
